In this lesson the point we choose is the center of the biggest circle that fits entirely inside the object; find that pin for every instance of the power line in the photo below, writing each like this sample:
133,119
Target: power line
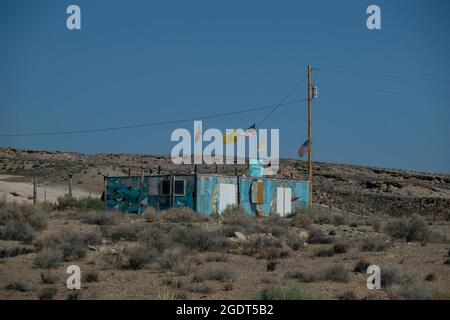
386,91
151,124
381,75
283,100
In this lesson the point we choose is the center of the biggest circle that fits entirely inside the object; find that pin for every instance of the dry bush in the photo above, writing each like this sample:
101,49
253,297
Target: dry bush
47,293
82,204
91,276
48,258
340,247
15,251
409,291
393,276
318,236
173,283
335,273
49,278
412,229
73,245
20,221
301,221
156,237
269,249
150,215
347,295
19,285
219,275
177,260
369,244
295,242
301,276
276,225
136,257
180,215
324,252
216,257
202,289
271,265
361,266
198,238
127,231
101,218
281,293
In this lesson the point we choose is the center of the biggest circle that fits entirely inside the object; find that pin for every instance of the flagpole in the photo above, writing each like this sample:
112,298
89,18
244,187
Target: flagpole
310,137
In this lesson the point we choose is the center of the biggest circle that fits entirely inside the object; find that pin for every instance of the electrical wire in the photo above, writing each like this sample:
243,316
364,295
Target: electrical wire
151,124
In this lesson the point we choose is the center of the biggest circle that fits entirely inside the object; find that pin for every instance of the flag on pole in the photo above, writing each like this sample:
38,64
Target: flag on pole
231,138
303,149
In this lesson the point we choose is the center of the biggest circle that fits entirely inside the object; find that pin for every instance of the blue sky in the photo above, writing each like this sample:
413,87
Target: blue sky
145,61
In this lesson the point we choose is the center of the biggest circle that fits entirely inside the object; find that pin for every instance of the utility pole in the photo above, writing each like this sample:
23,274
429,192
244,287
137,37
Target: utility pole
70,185
310,174
34,189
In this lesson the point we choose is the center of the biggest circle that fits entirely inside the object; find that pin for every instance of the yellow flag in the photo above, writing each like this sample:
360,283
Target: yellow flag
230,138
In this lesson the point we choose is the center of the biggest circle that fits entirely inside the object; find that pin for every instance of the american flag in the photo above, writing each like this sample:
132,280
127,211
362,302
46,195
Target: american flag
303,149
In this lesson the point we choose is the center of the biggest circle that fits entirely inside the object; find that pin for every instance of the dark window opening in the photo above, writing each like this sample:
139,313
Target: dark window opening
165,187
179,187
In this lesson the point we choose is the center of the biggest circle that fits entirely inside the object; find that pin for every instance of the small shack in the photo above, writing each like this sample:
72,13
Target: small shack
208,194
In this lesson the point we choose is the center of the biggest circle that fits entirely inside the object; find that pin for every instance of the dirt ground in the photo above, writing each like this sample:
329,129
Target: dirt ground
250,274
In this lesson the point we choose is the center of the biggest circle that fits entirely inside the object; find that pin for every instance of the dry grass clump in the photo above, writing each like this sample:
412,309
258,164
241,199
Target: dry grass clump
301,220
49,277
198,238
412,229
47,293
101,218
82,204
124,232
150,215
301,276
72,244
318,236
178,260
48,258
336,273
180,215
282,293
20,221
324,252
221,275
361,266
370,244
261,248
19,285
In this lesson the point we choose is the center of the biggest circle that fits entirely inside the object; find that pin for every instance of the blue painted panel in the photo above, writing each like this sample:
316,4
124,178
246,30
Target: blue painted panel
208,192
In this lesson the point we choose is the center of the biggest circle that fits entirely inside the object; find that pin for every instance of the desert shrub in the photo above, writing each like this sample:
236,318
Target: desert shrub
15,251
340,247
295,242
412,229
47,293
361,266
430,277
219,275
373,244
318,236
271,265
392,276
335,273
49,278
301,221
180,215
177,260
172,282
324,252
202,289
91,276
347,295
409,291
82,204
73,245
19,221
300,276
276,225
447,261
137,257
101,218
74,296
263,248
127,231
155,238
150,215
198,238
48,258
19,285
215,257
291,293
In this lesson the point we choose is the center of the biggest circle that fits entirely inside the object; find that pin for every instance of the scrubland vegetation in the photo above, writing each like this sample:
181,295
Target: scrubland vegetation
315,253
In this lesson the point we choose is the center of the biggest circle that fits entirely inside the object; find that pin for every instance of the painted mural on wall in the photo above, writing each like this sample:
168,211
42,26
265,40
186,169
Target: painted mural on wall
126,194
